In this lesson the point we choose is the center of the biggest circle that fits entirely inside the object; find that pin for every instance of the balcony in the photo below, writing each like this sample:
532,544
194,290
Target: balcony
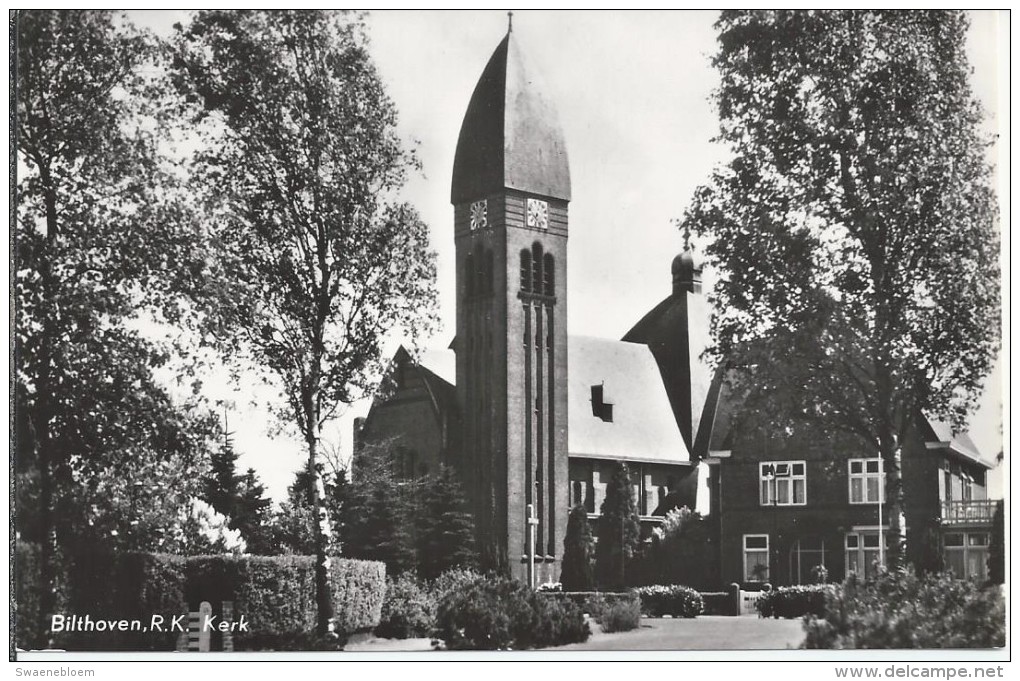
968,512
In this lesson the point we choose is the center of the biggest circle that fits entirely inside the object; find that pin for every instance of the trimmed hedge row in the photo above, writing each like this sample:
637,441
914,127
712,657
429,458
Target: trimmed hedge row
794,601
274,594
672,599
718,603
591,602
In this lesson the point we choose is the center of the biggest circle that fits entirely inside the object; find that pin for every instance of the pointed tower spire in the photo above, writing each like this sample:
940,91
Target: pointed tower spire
510,21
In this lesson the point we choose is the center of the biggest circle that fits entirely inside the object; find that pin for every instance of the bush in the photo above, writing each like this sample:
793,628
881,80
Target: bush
591,602
673,599
794,601
621,615
409,610
451,581
502,614
902,610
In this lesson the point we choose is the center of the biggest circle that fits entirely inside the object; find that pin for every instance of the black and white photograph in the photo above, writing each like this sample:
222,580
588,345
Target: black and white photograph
506,335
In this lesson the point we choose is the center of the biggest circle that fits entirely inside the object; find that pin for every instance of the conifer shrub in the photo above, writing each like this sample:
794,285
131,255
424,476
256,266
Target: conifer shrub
620,615
409,609
673,599
901,610
501,614
794,601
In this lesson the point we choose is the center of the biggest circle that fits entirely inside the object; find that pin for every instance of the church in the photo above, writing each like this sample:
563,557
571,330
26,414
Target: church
533,419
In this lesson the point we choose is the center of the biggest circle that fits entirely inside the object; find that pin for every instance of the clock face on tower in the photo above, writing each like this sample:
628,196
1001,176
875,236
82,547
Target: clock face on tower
538,214
479,215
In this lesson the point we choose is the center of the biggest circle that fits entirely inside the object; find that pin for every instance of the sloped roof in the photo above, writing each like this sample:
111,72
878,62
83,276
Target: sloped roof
511,136
643,426
442,363
942,433
663,325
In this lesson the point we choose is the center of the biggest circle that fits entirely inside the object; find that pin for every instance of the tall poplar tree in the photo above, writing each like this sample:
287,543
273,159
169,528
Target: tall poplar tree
854,227
302,168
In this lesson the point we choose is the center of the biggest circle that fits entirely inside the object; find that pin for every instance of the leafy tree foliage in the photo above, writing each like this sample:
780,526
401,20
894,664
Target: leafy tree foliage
854,228
619,530
997,547
682,550
103,241
302,168
577,573
446,529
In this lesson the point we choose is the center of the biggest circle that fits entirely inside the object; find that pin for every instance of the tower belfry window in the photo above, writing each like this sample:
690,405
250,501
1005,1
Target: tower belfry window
536,272
526,270
550,275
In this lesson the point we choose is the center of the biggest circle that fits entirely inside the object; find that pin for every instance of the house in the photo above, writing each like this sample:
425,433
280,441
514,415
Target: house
533,419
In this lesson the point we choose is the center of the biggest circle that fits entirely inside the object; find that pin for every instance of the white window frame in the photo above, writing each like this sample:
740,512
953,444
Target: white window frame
768,562
768,483
881,533
967,547
864,476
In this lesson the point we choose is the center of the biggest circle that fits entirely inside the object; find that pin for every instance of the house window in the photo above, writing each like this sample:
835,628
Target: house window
756,557
867,481
967,554
862,554
806,556
782,483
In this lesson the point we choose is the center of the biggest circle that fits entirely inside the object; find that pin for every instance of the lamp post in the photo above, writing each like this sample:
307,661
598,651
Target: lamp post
532,523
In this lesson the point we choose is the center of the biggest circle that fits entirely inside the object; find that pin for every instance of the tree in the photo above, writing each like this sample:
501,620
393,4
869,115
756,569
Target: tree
251,515
446,529
682,550
997,547
221,485
103,240
303,165
578,545
854,228
619,530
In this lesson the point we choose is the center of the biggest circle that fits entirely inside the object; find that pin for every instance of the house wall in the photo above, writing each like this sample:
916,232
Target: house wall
822,522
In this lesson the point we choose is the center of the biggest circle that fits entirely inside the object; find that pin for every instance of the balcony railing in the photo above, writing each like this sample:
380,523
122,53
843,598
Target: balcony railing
967,512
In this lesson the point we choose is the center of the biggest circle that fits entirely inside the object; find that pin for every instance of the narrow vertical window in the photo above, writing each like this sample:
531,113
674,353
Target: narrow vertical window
536,272
550,275
526,270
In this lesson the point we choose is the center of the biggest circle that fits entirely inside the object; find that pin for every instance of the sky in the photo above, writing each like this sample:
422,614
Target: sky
632,90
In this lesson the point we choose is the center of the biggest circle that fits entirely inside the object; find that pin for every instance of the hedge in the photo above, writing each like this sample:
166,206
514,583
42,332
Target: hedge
275,594
590,602
129,586
672,599
794,601
718,603
26,593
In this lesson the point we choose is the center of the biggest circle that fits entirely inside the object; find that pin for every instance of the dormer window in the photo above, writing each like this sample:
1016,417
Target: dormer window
600,408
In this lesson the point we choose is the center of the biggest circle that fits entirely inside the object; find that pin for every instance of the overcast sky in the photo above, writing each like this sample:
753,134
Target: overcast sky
632,90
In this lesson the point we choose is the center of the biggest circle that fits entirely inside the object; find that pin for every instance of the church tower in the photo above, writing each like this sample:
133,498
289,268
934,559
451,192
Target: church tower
511,187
